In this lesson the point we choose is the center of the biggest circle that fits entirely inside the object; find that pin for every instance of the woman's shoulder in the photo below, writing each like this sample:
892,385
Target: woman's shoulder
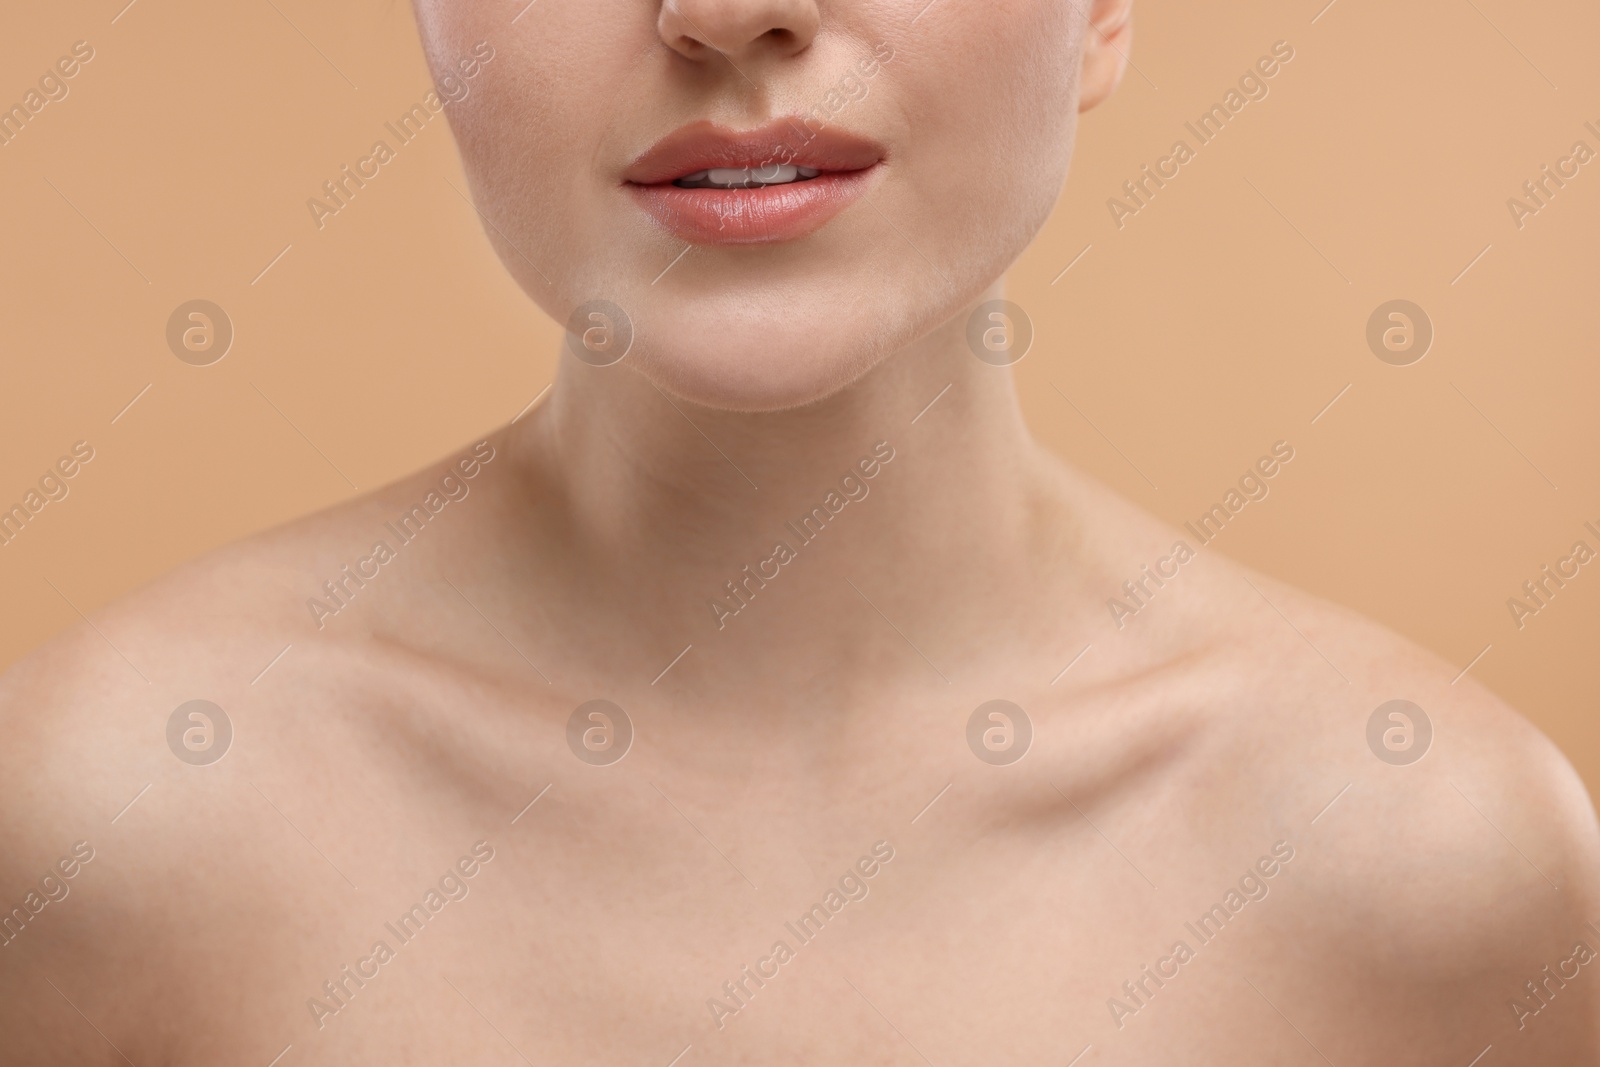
223,624
1444,845
225,608
111,729
1446,850
1316,682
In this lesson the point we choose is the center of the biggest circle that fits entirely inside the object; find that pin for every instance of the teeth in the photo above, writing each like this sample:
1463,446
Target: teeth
776,174
746,177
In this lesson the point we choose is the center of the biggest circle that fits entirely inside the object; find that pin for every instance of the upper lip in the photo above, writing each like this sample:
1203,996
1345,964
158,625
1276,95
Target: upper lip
705,145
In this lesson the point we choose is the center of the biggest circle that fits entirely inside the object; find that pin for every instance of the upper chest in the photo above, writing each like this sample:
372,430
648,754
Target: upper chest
733,898
607,924
997,953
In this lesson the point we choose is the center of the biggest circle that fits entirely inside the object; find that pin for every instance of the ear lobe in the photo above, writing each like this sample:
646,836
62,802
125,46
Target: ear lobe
1106,40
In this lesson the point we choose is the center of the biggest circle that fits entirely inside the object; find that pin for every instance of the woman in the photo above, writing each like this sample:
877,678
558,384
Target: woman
766,694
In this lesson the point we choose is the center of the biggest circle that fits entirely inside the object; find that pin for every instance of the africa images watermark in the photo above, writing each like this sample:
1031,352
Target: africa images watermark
852,886
1252,886
1252,85
52,88
340,190
342,589
1537,192
53,485
340,990
1543,987
1253,485
53,888
805,529
1538,591
852,87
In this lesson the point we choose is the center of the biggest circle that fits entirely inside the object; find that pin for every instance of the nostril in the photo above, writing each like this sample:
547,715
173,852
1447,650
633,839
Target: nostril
694,48
783,41
700,28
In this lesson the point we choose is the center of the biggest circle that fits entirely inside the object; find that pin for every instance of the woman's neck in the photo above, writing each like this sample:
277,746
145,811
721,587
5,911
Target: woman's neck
796,525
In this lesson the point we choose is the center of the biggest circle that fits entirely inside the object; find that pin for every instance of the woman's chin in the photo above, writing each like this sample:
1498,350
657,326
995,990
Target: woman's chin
760,368
744,380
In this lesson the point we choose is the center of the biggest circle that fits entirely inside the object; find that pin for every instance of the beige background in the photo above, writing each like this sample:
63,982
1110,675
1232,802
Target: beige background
1225,315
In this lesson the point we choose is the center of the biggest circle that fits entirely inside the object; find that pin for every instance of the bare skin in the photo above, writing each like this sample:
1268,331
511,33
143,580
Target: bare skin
415,741
1171,758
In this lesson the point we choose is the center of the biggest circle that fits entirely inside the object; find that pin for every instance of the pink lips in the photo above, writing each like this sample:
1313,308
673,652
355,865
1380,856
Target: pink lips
761,215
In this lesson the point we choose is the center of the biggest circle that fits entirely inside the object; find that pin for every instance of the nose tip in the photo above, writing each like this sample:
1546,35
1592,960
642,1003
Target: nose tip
698,29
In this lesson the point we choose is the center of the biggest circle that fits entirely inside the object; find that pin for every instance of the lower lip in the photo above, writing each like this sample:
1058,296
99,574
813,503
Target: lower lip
752,216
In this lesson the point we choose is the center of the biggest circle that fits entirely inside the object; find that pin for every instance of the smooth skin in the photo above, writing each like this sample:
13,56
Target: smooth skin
1223,727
